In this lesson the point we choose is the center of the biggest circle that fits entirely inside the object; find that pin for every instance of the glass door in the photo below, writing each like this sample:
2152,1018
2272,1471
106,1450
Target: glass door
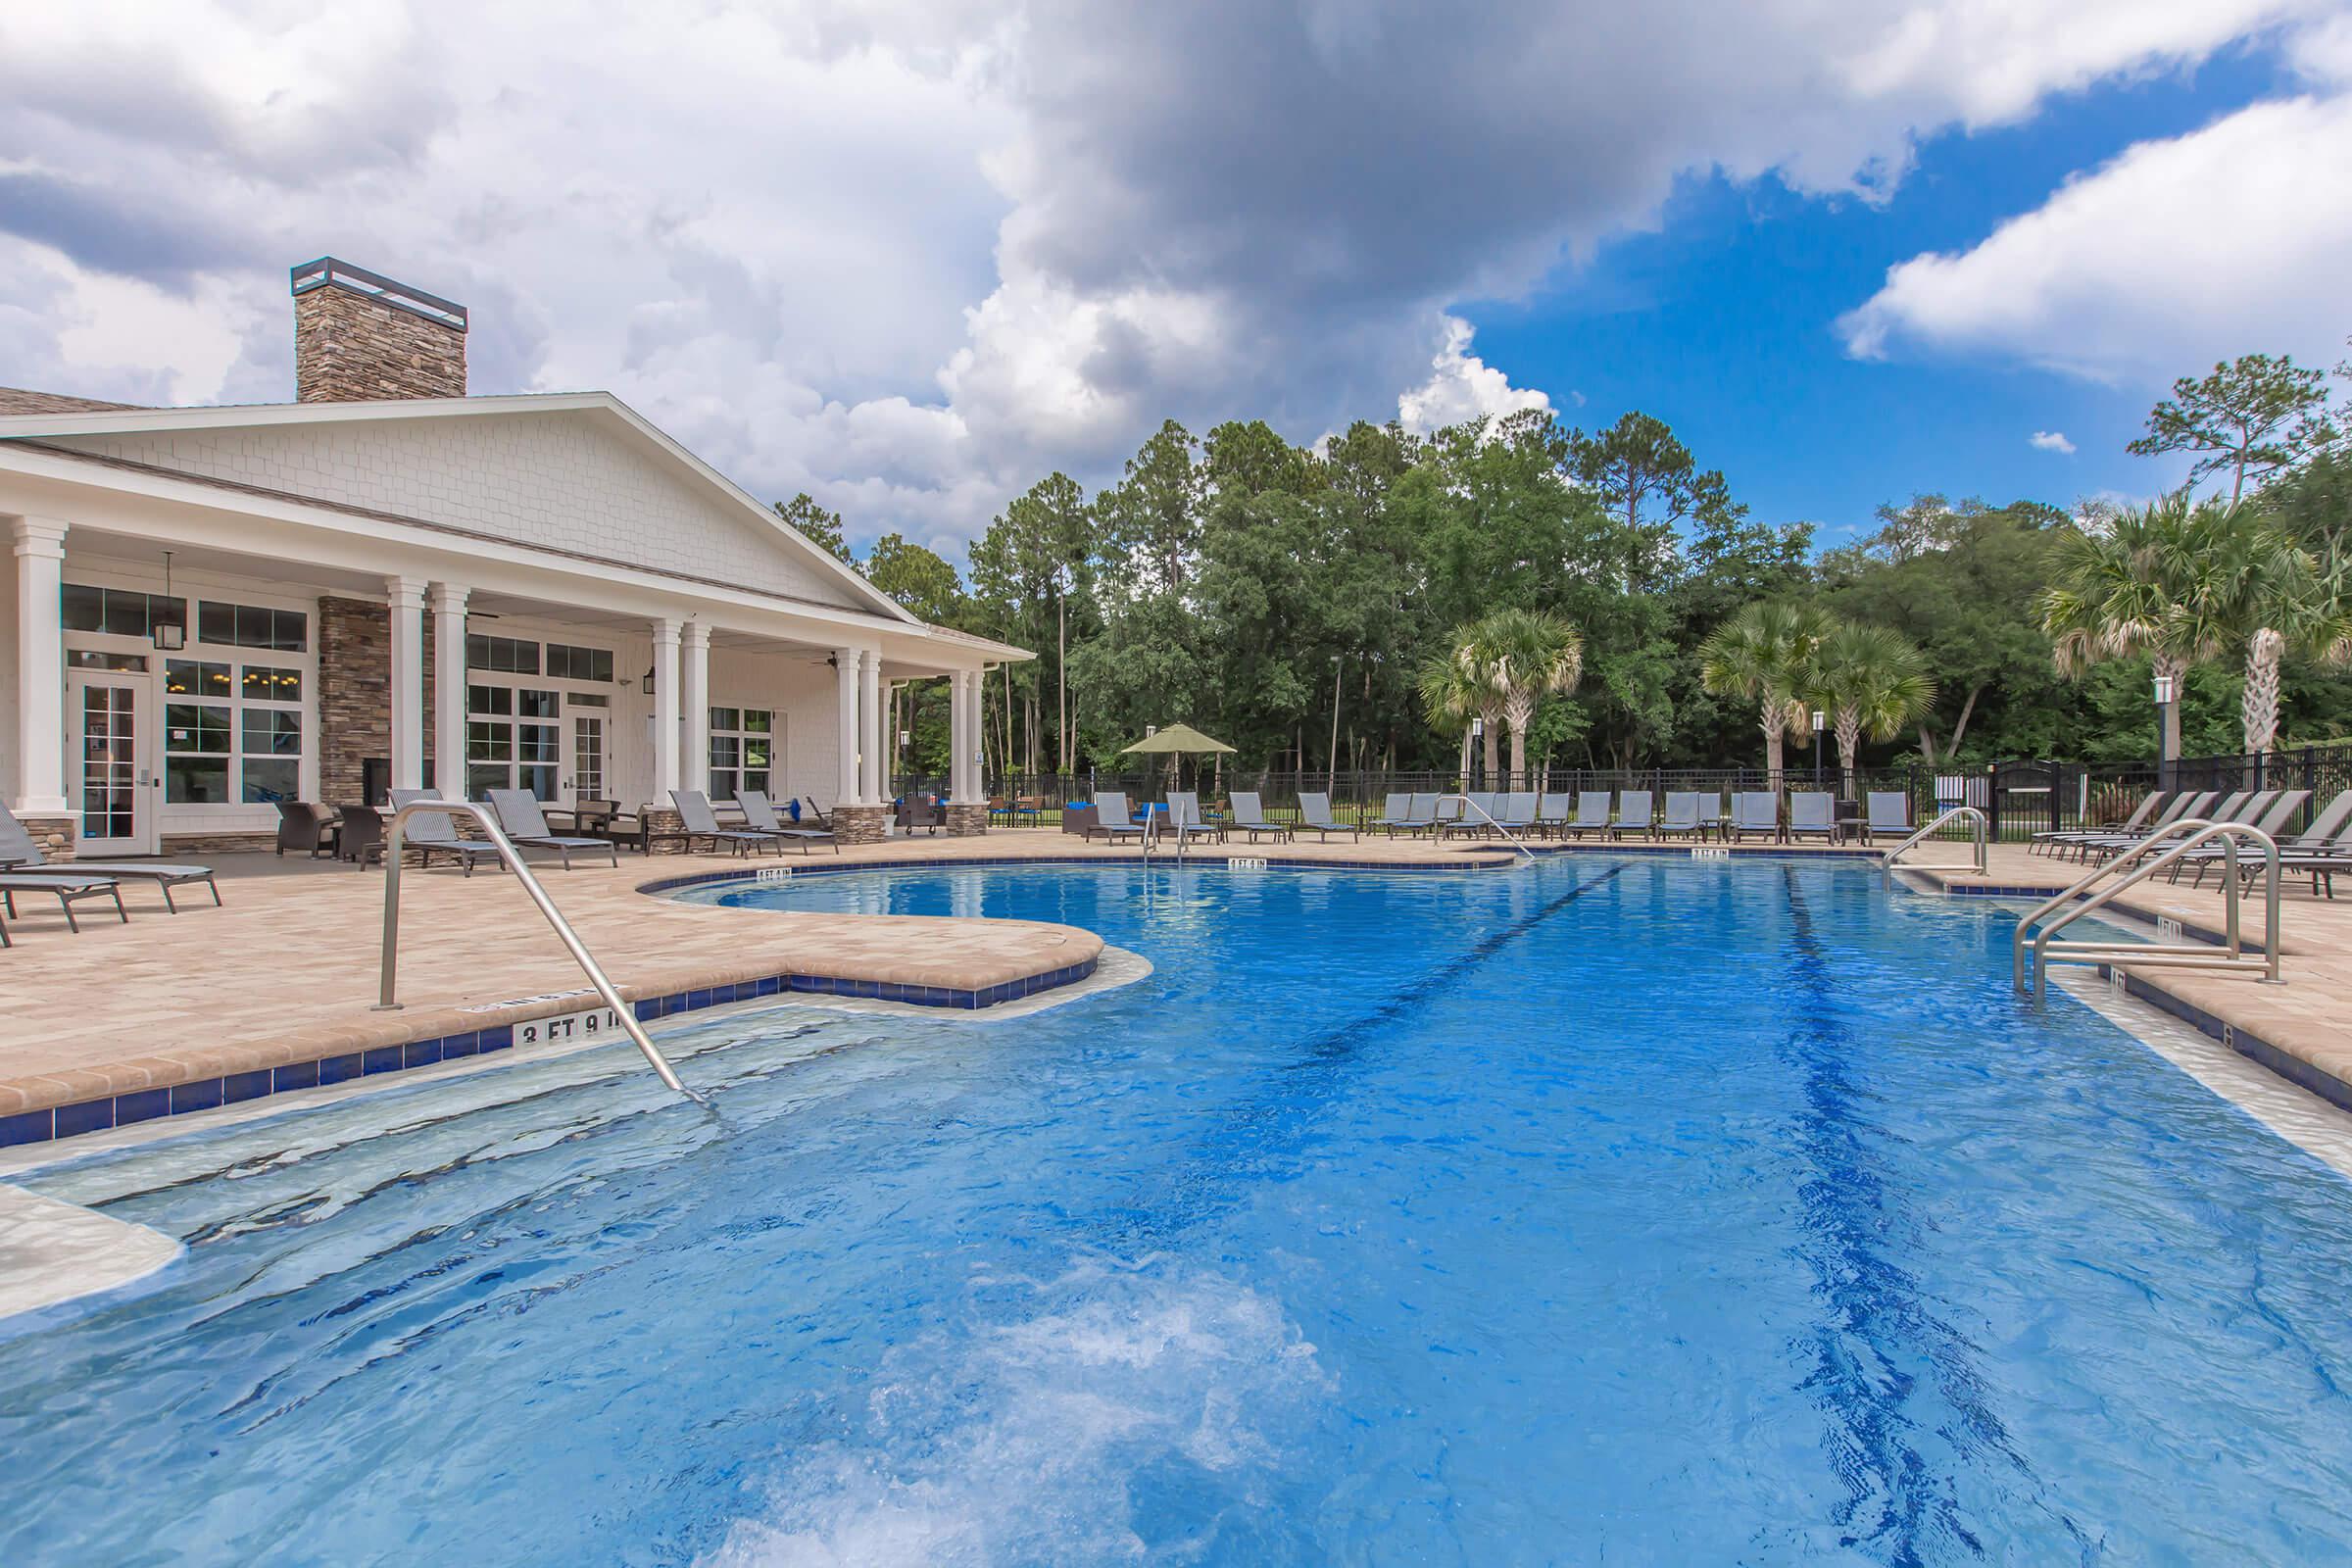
588,759
114,780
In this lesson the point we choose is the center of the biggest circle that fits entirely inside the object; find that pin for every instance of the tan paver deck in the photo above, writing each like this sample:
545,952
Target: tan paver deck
286,972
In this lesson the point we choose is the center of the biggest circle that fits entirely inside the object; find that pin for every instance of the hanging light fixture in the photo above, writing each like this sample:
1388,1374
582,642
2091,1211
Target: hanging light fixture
649,680
169,636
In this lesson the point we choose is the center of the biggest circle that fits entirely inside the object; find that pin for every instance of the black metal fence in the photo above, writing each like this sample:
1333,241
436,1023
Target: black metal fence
2019,798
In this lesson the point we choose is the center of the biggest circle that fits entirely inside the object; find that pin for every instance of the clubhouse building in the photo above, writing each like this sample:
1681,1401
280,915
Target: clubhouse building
208,611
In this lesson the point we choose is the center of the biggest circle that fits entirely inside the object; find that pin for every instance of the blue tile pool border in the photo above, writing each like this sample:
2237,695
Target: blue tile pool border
76,1117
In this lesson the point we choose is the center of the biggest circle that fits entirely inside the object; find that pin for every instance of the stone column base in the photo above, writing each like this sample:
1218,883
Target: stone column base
861,824
966,821
658,820
54,834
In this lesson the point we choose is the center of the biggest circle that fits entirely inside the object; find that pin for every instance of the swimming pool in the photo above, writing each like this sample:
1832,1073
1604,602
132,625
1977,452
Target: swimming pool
1638,1210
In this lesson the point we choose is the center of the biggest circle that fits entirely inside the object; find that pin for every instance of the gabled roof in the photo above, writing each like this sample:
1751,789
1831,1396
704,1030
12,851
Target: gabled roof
83,416
19,400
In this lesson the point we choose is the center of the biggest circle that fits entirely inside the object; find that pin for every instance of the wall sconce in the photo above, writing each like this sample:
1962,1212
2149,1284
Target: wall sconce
649,680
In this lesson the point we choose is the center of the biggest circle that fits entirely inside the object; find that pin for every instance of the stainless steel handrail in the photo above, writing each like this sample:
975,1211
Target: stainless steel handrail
2172,956
506,853
1471,804
1982,831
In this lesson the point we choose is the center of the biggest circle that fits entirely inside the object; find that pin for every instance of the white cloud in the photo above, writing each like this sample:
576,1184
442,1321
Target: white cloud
1462,386
910,257
2175,255
2051,441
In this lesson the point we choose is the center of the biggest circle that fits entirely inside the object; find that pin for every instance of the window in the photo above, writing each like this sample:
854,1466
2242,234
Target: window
196,748
83,659
284,631
119,611
741,749
587,756
238,744
565,662
506,655
514,739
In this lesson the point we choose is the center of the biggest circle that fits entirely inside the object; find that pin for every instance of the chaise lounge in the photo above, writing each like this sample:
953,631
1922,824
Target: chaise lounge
19,856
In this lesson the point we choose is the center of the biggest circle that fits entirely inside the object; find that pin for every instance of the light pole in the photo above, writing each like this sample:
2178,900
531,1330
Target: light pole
1820,722
2166,692
1331,776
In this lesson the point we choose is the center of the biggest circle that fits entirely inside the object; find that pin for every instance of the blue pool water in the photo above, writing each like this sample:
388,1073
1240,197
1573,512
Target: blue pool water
1630,1212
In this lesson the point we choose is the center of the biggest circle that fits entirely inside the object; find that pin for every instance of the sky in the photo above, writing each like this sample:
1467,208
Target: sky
910,258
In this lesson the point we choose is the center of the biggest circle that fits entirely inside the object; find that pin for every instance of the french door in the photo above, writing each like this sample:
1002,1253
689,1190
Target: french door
115,782
589,771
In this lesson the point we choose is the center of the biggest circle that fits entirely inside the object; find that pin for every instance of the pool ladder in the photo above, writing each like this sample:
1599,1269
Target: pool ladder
1470,804
1978,820
2134,866
1151,832
487,820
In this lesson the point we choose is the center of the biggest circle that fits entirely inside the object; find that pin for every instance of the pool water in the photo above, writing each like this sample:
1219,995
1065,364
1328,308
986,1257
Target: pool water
1633,1211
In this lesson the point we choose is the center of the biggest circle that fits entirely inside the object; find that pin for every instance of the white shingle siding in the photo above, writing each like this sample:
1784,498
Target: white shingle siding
557,481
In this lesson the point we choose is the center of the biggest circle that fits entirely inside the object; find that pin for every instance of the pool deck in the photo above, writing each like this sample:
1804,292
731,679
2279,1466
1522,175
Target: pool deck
181,1012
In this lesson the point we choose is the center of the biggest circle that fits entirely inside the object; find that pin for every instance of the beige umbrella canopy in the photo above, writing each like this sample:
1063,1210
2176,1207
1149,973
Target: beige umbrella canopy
1175,743
1177,738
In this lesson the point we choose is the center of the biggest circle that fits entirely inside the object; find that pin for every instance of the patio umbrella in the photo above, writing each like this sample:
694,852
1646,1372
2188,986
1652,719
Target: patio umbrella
1177,740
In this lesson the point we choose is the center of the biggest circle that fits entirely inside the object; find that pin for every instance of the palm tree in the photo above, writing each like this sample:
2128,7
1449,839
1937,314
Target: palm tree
1454,689
1873,680
1528,654
2258,586
1765,654
2125,592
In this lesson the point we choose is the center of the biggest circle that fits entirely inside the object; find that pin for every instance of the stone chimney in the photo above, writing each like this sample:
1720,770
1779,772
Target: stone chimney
360,336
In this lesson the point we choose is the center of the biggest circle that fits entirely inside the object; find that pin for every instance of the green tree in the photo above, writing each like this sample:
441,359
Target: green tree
1529,654
1765,654
1151,517
1454,690
1026,569
2133,590
823,526
1649,479
919,579
2250,417
1872,682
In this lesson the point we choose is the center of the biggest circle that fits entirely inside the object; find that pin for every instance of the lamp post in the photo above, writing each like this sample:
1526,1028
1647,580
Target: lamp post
1820,722
1331,774
2166,692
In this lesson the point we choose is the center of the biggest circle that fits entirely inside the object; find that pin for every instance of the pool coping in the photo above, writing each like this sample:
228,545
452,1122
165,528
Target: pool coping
2280,1058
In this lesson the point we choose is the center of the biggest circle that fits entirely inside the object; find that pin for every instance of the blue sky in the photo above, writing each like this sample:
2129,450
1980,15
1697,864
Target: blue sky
1723,323
911,257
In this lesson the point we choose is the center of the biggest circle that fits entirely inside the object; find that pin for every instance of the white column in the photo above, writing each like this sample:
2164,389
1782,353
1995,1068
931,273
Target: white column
665,713
694,689
973,683
449,689
406,596
869,728
40,551
849,777
960,737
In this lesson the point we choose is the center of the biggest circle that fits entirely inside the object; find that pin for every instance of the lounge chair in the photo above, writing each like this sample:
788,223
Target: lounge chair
1813,813
1184,810
1473,816
305,827
920,811
1517,812
1419,814
2056,838
1399,804
1756,811
1633,812
19,855
1112,819
1710,812
2310,854
431,833
1314,816
519,819
1592,815
816,813
2284,804
2185,805
760,815
700,822
1681,816
1889,811
1553,808
1250,818
63,886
